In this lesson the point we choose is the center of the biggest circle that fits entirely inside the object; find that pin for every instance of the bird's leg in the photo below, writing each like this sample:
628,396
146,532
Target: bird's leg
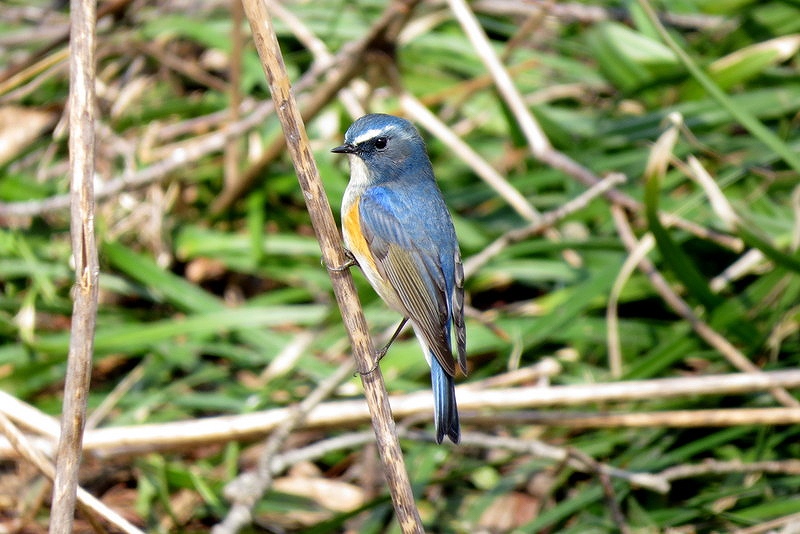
380,353
350,260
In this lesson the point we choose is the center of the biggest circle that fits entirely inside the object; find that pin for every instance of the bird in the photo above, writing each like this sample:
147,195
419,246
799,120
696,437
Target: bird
397,227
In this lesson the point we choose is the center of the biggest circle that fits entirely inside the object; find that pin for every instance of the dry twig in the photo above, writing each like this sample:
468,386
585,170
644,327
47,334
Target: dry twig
191,433
333,255
84,254
719,467
670,418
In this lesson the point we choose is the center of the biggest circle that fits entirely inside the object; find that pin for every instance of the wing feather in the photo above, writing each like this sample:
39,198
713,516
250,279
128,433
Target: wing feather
458,314
425,306
406,257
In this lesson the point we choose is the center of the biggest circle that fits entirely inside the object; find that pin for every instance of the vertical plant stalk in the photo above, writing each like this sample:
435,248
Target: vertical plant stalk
84,252
333,255
232,157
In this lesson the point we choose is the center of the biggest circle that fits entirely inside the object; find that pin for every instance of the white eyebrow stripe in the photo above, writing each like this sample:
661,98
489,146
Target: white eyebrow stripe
369,134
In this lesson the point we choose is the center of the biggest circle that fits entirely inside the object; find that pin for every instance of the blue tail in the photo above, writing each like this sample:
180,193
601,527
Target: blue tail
445,411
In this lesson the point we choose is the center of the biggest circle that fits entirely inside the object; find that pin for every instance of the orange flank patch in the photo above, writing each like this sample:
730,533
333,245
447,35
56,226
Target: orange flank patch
355,238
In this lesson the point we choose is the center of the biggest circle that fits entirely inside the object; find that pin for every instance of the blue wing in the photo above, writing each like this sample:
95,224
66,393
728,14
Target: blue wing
415,250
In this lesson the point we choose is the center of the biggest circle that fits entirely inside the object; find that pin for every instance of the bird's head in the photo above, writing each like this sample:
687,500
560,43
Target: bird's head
388,146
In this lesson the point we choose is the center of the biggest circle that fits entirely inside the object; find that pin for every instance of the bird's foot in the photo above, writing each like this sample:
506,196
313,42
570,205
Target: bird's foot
350,260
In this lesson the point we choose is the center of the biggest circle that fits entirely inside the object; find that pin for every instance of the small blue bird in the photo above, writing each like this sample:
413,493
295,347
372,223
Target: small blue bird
397,227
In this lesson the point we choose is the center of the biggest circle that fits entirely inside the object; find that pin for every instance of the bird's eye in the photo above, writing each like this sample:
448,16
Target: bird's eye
380,143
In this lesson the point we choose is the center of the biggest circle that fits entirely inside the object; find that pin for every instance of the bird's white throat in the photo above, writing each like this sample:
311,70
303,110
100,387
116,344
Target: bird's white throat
359,179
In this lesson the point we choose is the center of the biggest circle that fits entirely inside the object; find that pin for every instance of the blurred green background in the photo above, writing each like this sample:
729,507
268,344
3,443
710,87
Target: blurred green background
199,297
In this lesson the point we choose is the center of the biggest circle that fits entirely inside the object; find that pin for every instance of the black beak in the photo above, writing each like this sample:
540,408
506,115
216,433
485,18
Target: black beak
346,148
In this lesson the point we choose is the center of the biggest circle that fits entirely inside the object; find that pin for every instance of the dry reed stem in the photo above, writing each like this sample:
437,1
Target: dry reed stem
84,254
182,434
333,255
